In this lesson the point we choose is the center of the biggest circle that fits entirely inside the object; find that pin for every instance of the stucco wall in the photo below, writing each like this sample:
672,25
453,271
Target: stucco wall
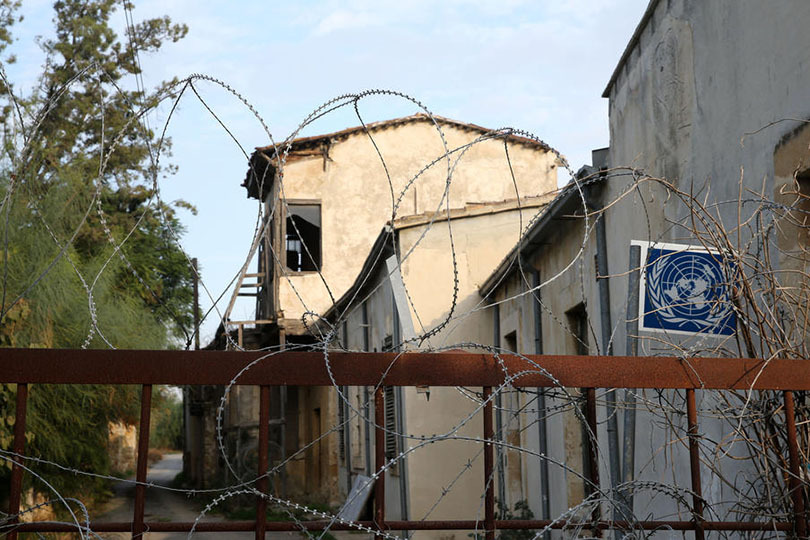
481,242
703,77
356,198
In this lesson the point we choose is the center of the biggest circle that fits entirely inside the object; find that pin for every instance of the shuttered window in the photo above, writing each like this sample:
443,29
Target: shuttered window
391,437
391,409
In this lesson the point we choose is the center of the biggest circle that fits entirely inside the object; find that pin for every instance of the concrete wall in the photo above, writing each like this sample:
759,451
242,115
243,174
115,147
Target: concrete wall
701,79
699,101
516,312
121,446
356,198
444,479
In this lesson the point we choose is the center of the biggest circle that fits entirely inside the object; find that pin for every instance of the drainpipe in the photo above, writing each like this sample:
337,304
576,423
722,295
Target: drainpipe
628,465
366,394
542,428
347,426
496,317
400,412
603,284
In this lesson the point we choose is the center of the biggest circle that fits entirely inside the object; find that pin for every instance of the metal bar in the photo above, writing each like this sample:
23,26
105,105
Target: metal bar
500,481
794,478
542,425
18,448
592,447
264,446
606,326
366,397
60,366
196,304
282,411
694,463
379,458
470,525
489,458
143,460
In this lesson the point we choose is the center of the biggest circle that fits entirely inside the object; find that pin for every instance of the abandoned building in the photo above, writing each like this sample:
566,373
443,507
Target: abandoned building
328,203
685,105
389,305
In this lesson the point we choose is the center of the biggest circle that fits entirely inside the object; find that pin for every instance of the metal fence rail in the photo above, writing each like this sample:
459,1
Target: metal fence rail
38,366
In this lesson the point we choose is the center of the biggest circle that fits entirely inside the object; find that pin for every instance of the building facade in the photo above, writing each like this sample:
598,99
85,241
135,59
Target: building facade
708,114
419,289
325,200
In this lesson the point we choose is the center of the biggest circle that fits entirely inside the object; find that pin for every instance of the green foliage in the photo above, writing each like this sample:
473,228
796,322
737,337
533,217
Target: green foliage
82,149
167,420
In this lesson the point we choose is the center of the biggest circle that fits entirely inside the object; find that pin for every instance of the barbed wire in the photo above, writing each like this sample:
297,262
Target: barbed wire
743,448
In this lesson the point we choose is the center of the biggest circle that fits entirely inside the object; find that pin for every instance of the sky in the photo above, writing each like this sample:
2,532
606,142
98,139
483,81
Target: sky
535,65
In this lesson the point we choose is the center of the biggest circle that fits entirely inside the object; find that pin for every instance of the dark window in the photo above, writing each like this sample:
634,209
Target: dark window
304,237
578,323
803,207
510,341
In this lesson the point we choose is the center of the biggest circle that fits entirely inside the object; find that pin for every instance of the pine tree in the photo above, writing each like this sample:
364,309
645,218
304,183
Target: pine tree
88,257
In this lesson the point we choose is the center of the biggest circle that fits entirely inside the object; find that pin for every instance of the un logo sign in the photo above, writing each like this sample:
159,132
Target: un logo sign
686,290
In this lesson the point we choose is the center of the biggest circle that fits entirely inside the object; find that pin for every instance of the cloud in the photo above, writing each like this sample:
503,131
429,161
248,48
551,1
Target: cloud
346,20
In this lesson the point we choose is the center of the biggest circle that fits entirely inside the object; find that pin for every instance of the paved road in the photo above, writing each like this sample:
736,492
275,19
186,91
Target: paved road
161,505
164,506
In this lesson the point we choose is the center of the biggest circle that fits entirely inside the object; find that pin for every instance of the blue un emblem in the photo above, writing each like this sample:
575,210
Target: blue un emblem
686,290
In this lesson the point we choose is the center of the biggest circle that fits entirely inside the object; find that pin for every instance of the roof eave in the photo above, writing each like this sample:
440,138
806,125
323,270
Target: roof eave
634,39
571,196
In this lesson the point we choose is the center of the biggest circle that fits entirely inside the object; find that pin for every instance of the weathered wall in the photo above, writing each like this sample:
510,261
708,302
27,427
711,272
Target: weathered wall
121,445
356,198
516,312
481,241
703,77
699,101
792,190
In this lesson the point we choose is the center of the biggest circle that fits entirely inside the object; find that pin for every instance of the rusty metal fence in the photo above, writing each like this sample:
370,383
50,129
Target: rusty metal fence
148,368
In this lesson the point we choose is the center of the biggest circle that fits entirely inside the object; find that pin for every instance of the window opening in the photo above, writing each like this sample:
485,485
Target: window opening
578,323
803,207
510,341
303,237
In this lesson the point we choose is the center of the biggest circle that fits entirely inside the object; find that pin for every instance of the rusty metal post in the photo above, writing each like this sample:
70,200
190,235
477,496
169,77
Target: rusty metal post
143,461
489,466
18,448
593,451
379,458
794,478
196,304
264,445
694,462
